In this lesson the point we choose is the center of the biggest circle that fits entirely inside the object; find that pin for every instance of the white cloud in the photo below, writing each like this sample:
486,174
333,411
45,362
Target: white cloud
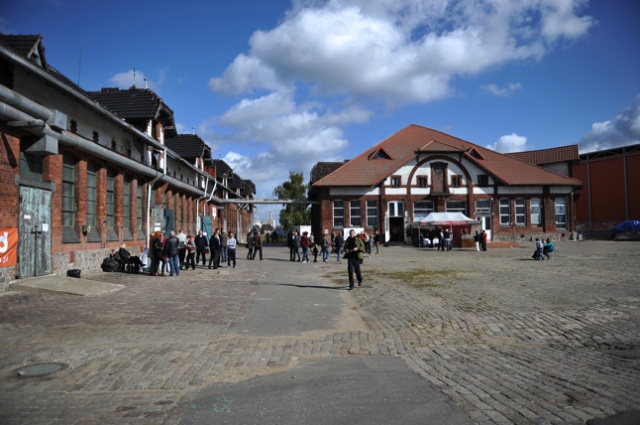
622,130
509,143
125,80
328,61
502,92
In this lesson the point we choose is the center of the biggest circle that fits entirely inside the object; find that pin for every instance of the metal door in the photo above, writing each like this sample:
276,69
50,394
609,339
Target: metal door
34,232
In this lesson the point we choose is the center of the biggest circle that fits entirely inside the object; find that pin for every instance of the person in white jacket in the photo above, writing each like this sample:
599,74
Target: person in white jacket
231,249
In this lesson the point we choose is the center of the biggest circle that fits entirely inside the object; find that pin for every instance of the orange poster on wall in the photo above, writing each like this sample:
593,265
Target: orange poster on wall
8,247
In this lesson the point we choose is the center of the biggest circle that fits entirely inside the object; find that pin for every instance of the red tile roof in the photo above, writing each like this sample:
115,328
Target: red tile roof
548,156
404,145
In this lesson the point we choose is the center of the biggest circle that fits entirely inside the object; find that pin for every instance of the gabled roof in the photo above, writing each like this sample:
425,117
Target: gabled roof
132,103
414,140
188,146
548,156
30,47
322,169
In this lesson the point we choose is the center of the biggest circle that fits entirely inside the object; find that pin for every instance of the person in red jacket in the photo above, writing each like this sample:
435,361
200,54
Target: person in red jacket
305,243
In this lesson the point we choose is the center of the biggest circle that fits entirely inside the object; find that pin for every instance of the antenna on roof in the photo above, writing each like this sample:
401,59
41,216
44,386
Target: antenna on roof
79,64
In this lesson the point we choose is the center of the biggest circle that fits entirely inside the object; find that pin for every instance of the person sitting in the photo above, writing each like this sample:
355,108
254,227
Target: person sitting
547,248
537,254
128,263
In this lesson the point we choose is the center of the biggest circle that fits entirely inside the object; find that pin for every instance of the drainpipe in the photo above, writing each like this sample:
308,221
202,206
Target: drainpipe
206,185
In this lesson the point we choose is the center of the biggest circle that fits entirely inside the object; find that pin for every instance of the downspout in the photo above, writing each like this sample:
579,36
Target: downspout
206,185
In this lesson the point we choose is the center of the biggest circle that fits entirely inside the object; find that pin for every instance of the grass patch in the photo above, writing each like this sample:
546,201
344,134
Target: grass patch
420,278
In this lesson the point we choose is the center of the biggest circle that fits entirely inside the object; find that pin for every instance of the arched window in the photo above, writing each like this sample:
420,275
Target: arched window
505,212
561,213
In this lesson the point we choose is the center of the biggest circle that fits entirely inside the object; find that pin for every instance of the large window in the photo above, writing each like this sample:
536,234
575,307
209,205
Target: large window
483,206
536,211
422,209
126,203
111,198
521,212
338,214
372,213
561,213
457,206
355,214
505,212
68,190
92,192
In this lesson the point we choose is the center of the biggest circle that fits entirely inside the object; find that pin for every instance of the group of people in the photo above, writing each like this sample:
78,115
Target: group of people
543,249
440,238
179,252
300,245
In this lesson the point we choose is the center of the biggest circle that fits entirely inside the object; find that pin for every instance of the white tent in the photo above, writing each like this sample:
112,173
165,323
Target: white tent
444,219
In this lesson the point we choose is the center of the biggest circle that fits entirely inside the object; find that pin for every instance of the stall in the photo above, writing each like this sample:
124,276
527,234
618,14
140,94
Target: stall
458,223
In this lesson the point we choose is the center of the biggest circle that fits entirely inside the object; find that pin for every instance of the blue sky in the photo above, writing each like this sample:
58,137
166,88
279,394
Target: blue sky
280,85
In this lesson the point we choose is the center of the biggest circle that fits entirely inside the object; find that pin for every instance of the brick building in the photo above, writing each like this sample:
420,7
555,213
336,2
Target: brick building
80,174
419,170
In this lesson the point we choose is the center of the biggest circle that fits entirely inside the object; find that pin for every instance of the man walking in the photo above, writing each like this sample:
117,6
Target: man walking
214,248
257,245
182,246
354,252
223,249
339,241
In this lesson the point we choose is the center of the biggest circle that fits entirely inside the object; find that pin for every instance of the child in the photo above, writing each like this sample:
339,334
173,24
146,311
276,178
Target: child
537,254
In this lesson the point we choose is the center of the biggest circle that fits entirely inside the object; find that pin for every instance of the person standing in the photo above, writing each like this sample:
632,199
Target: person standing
376,241
446,238
295,247
250,238
231,250
201,248
354,252
191,254
339,241
157,254
325,243
257,245
214,249
182,246
476,239
304,244
171,252
223,246
483,240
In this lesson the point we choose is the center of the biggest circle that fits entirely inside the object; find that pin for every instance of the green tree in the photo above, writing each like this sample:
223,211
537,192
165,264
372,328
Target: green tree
294,188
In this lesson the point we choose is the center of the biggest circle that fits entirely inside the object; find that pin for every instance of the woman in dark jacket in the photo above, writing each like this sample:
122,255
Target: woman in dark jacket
157,249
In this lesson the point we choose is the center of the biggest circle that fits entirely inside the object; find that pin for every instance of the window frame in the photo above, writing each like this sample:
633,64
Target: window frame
139,205
395,181
483,210
456,180
338,224
91,203
456,208
520,210
355,213
422,180
110,200
535,216
563,206
126,201
425,210
505,214
68,193
483,180
372,212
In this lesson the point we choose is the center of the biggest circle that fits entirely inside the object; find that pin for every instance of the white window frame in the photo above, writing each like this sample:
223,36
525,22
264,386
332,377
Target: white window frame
372,213
521,212
505,212
339,225
355,213
561,213
535,208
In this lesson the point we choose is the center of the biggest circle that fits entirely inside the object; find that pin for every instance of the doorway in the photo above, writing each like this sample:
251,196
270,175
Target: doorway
34,232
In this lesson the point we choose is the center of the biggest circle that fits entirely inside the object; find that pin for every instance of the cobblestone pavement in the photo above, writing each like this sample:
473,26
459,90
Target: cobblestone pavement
510,340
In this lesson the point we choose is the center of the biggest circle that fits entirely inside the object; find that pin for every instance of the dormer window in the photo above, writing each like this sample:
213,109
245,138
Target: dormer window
474,153
379,154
